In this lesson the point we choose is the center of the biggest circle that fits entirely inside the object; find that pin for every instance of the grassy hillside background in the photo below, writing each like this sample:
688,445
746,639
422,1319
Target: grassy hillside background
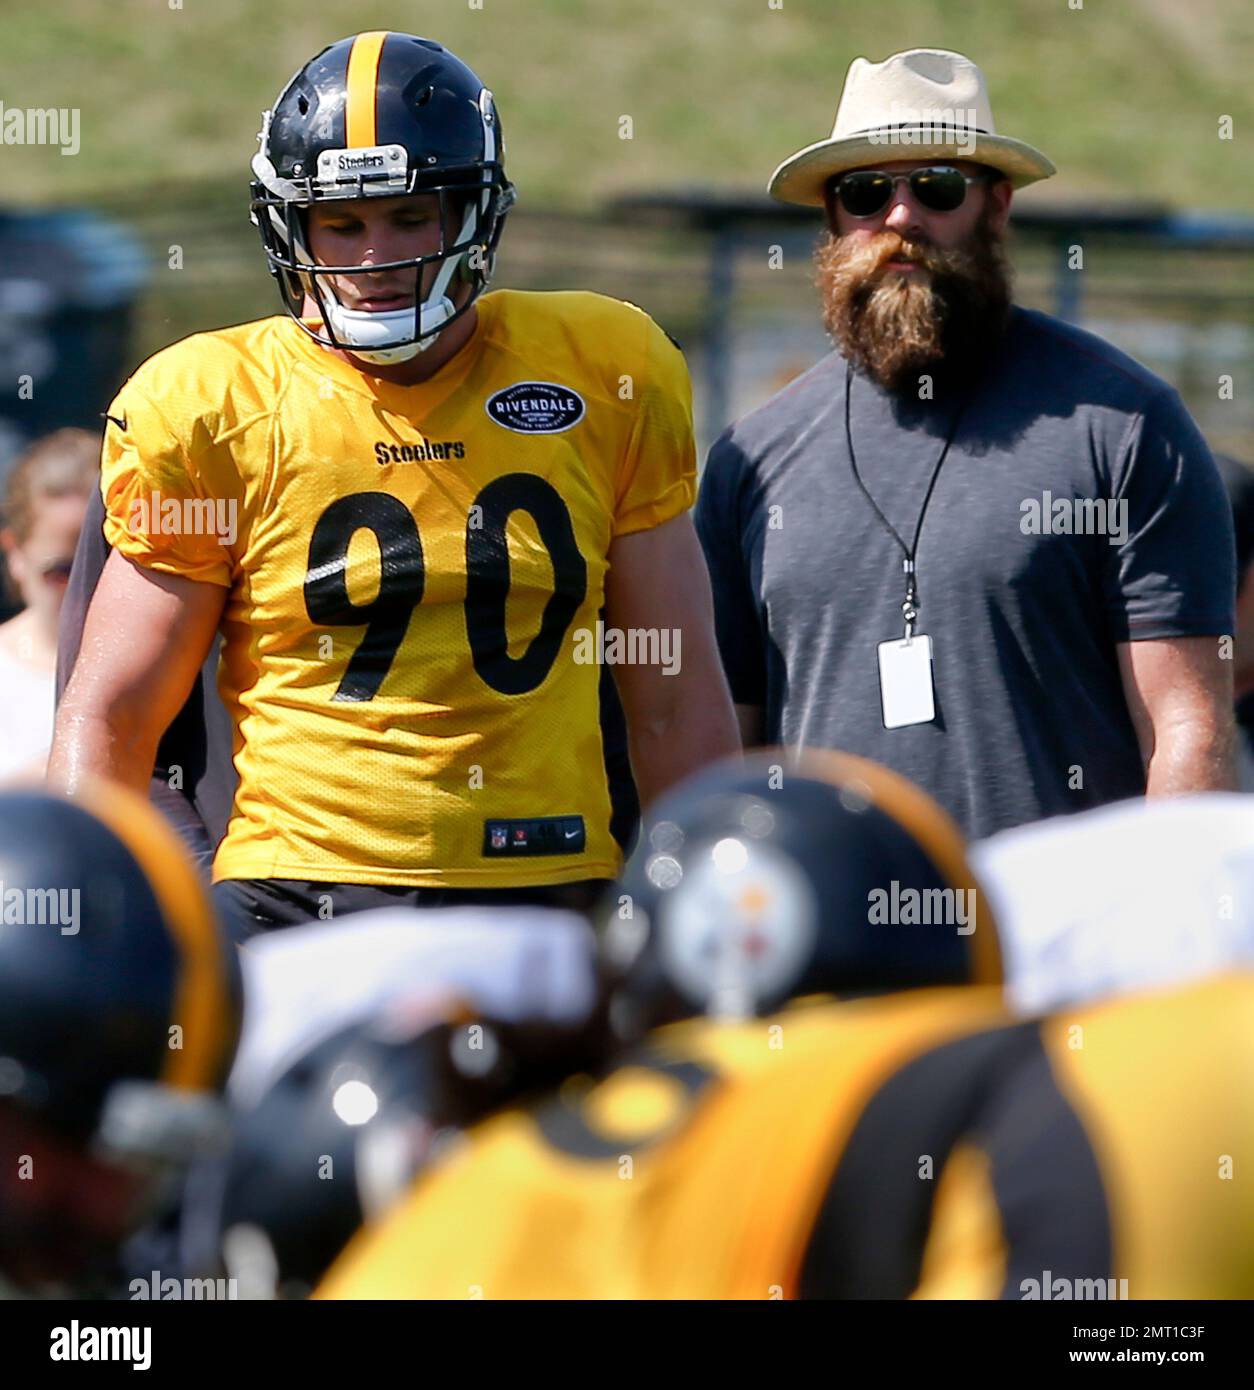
1125,95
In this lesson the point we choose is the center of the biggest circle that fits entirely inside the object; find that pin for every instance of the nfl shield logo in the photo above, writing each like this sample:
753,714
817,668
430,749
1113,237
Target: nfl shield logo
498,837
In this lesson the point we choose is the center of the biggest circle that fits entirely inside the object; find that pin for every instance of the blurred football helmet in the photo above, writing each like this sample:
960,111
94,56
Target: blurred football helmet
374,116
119,1018
783,874
341,1134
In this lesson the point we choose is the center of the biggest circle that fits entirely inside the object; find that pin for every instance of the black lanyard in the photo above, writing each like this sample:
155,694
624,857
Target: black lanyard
910,608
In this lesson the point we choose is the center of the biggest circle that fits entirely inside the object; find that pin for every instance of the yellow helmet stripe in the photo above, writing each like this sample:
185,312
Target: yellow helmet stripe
203,1005
363,75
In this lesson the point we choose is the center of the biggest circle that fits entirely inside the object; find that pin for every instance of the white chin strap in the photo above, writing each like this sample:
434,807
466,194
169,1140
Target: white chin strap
384,337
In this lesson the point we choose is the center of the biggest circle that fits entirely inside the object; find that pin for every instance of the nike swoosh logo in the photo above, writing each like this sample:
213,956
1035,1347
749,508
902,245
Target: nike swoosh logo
572,834
121,424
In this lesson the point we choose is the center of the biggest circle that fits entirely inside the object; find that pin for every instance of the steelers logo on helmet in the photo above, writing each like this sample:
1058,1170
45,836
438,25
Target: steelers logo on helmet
739,929
382,115
766,878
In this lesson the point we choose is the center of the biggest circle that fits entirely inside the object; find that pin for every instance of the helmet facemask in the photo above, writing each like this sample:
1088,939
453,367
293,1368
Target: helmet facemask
473,200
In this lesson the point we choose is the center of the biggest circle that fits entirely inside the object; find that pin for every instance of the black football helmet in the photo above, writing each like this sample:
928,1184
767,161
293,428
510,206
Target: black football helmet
784,874
339,1137
374,116
120,1004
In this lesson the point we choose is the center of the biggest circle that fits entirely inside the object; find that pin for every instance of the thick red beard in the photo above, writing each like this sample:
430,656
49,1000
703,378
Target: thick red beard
897,326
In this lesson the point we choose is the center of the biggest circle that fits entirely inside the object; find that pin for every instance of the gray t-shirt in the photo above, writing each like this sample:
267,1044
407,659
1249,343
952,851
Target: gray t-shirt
1063,431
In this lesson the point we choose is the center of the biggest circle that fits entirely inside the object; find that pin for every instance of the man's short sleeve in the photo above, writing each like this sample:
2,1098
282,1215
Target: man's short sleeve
658,477
721,519
1173,574
161,510
1238,481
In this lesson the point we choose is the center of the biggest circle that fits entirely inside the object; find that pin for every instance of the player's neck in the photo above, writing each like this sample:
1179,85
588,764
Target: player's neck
425,365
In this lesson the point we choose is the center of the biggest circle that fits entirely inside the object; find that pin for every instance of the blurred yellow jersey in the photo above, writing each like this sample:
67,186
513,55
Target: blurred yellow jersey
414,576
698,1168
1116,1161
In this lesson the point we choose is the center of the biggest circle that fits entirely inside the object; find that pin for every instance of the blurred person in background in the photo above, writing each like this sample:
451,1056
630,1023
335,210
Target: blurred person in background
732,1090
45,501
974,543
1239,480
1142,894
120,1004
1101,1151
753,1137
360,1079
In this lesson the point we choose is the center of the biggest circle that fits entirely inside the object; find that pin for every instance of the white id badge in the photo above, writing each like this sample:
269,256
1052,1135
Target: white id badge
906,681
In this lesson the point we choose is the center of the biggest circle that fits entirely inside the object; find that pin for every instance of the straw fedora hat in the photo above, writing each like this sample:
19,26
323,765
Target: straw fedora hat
924,103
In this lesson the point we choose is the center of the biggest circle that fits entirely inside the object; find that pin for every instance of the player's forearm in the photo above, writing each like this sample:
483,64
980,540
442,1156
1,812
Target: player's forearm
92,743
668,745
1192,756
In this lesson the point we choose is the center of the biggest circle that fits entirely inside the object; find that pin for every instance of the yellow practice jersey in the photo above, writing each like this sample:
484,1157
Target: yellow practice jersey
695,1169
1116,1163
414,577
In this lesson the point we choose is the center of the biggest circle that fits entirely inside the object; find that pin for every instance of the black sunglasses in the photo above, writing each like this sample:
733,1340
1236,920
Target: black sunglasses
938,187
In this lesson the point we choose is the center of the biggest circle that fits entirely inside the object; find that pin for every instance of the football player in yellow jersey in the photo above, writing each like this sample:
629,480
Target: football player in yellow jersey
899,1141
703,1163
1106,1153
407,508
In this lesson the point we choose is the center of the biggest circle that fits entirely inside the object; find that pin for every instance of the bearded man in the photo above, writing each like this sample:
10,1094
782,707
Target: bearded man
974,543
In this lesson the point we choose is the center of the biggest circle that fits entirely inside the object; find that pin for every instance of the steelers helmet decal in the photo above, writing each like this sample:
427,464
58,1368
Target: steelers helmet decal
743,930
783,874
